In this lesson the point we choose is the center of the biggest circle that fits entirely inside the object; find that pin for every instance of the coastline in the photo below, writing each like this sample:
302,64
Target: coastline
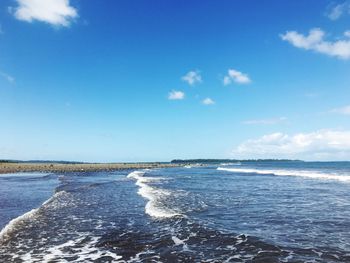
17,167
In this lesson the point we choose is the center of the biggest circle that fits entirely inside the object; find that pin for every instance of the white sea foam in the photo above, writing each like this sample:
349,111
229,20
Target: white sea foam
6,232
226,164
177,241
12,225
193,165
180,242
288,172
153,207
83,248
137,257
88,252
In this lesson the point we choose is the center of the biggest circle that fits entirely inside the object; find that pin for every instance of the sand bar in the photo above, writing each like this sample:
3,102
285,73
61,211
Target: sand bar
79,167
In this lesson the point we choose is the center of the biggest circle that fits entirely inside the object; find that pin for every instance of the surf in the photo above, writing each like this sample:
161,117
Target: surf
154,206
15,223
287,172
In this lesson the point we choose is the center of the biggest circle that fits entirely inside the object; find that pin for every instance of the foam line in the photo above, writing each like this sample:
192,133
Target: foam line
153,207
5,233
287,172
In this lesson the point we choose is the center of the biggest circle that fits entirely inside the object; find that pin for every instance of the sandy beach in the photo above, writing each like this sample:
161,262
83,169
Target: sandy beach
80,167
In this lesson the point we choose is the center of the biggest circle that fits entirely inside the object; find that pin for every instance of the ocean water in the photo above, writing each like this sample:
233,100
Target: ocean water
239,212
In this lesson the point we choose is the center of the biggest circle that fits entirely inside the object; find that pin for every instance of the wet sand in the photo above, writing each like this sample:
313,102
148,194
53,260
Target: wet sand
72,167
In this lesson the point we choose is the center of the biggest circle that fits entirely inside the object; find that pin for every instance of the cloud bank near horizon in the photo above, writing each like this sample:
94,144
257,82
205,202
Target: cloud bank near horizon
319,145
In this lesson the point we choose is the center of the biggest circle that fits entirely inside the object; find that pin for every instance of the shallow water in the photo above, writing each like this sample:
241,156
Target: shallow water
248,212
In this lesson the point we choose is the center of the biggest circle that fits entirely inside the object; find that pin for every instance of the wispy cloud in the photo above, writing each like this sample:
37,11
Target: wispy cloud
54,12
192,77
318,145
343,110
315,41
337,11
176,95
8,77
208,101
236,76
270,121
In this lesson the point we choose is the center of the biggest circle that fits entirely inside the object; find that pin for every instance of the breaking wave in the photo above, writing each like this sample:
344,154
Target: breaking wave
15,223
287,172
155,206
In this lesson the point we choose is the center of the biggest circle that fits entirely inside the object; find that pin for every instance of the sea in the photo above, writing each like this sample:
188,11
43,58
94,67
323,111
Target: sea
263,211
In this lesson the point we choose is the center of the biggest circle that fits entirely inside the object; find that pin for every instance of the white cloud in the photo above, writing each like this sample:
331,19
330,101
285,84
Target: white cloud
266,121
319,145
192,77
339,10
236,76
315,41
8,77
208,101
343,110
176,95
54,12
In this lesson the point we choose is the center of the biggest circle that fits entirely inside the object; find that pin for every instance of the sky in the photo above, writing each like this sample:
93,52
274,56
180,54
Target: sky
155,80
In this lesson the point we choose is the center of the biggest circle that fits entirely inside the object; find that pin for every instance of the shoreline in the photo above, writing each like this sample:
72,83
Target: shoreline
79,167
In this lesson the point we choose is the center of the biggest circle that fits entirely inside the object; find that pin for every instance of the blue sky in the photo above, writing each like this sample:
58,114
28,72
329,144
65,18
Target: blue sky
156,80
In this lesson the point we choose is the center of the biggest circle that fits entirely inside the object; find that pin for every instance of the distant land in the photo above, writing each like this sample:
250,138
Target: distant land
66,162
11,166
40,161
184,161
179,161
18,166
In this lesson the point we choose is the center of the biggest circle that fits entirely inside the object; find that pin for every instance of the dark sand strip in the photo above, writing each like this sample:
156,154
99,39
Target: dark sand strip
71,167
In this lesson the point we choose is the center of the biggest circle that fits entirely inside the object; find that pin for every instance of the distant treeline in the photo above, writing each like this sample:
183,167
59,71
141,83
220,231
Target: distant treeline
230,160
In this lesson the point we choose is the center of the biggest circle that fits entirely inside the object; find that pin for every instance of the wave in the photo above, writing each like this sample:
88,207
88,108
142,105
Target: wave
12,225
235,164
154,206
15,223
287,172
